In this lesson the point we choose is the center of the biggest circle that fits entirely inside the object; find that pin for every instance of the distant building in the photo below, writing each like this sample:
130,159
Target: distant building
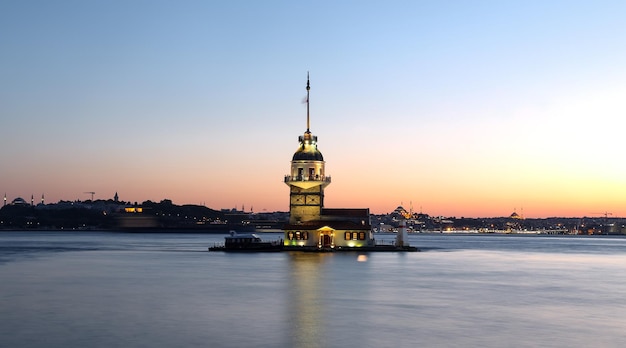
310,224
19,201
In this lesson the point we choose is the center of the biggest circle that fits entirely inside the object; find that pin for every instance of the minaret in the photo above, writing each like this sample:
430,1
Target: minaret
32,200
42,200
5,199
307,179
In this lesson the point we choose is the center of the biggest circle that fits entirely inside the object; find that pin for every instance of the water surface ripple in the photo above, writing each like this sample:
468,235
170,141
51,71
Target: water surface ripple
104,289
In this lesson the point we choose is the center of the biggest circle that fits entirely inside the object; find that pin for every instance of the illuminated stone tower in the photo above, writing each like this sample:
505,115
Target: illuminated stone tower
307,179
312,226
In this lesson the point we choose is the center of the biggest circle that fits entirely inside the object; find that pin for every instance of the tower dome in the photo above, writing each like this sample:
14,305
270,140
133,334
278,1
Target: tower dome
308,149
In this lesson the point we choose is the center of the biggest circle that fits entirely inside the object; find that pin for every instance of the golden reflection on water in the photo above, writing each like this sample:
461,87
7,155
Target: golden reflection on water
306,302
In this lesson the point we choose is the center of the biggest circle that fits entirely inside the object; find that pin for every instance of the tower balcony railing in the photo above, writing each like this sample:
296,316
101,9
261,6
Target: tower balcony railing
320,178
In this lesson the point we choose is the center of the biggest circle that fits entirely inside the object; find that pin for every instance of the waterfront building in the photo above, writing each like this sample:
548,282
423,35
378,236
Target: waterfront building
311,225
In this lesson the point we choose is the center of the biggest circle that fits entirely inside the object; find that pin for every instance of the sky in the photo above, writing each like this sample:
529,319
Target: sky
453,108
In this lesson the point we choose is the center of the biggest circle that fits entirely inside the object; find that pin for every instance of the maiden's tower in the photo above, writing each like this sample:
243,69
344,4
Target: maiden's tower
312,226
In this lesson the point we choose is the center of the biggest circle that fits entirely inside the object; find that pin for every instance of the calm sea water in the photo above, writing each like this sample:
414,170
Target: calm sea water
95,289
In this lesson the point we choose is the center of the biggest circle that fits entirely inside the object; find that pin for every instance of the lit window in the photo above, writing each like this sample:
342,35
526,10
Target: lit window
347,236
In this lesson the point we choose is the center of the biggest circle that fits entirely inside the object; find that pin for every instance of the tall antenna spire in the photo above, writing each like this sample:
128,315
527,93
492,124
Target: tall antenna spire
308,87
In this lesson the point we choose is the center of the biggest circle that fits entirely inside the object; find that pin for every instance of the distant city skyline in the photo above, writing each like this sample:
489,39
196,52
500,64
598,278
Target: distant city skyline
515,212
473,109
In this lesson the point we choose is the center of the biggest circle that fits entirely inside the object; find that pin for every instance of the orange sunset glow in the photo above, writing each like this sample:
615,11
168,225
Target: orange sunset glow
469,112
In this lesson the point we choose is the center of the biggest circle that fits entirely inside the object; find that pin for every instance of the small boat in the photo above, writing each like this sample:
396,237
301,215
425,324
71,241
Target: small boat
247,242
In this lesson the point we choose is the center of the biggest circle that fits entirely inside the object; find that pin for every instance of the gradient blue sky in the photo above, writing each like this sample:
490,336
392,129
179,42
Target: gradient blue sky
462,108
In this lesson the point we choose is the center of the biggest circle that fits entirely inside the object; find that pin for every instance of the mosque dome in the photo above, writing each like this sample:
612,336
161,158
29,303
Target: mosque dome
19,201
307,152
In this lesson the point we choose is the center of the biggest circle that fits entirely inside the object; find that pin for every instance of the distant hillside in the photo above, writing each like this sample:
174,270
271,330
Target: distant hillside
102,214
